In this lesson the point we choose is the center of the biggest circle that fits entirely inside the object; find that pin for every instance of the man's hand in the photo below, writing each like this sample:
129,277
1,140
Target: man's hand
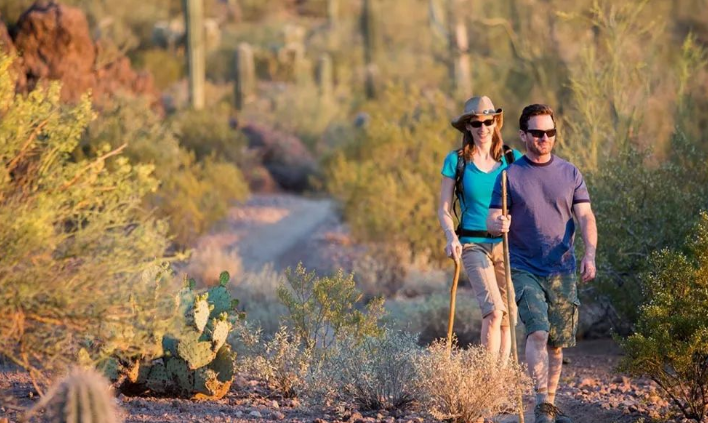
587,268
499,225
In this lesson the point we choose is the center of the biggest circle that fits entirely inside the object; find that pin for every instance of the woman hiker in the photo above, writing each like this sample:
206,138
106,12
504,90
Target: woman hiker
481,159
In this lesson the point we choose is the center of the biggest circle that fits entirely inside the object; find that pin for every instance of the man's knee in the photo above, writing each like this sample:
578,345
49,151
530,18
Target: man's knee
539,337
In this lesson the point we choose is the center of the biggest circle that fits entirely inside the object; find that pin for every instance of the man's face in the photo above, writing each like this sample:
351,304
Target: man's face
538,143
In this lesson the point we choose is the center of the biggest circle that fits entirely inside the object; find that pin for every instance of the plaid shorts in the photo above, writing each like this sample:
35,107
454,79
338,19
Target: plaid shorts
548,304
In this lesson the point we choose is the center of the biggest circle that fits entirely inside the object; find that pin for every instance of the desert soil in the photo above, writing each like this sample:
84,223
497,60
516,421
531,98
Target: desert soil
284,230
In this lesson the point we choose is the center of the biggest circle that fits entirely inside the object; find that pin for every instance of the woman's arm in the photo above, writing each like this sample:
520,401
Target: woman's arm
453,248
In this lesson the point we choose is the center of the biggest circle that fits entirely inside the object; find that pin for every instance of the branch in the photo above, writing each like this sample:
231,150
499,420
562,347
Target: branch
92,164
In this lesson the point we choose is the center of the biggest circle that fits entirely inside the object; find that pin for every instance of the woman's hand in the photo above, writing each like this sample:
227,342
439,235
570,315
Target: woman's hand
453,249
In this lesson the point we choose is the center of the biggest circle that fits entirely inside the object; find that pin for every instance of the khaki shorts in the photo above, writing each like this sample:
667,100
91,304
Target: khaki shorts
548,304
484,264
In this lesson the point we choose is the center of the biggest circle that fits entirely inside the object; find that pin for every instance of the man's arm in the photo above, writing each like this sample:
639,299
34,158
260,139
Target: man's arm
588,228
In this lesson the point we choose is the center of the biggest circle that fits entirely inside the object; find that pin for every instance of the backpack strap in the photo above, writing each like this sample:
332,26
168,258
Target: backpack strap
508,154
458,195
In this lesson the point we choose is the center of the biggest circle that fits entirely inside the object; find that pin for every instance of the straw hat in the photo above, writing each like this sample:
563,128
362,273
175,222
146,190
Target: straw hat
478,106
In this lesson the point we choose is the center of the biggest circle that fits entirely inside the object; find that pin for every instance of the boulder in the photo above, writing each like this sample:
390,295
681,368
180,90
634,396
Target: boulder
284,155
55,44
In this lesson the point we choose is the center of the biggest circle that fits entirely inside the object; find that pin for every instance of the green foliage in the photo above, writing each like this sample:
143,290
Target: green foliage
466,385
323,310
635,203
164,66
196,360
375,373
207,133
74,234
388,180
671,342
82,396
192,195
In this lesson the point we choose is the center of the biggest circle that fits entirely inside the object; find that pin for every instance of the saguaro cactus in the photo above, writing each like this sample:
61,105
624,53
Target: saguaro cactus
83,396
371,45
194,21
324,78
244,75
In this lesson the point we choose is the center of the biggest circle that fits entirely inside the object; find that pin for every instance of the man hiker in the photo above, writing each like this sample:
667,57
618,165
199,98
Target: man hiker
544,193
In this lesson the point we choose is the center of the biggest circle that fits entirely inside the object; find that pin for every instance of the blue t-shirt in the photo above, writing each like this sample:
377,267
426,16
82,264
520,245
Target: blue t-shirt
477,188
540,200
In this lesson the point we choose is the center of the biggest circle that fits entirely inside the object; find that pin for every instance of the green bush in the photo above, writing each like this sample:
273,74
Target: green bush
165,67
207,133
324,310
74,233
388,180
192,195
636,205
670,345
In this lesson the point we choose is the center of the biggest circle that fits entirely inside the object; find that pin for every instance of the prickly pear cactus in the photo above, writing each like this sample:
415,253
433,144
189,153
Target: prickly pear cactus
197,362
83,396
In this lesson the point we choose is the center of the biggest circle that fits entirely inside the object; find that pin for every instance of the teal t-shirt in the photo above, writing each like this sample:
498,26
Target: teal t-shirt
477,188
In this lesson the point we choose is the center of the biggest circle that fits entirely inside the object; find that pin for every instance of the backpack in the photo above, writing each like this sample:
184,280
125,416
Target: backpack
458,196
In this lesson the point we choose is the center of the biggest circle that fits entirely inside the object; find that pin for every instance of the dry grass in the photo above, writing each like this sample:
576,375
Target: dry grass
467,385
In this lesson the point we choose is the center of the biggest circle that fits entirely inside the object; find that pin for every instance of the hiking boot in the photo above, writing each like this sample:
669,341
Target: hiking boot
545,413
562,418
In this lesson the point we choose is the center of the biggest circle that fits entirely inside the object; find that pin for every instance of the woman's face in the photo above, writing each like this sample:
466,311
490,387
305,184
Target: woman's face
482,128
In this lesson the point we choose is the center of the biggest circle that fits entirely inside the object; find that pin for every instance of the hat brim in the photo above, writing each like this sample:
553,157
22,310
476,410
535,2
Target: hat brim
460,122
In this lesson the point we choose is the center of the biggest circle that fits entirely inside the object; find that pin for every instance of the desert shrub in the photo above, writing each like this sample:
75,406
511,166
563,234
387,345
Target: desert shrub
670,344
374,373
428,316
388,179
165,67
74,233
208,132
468,384
196,195
283,362
324,310
635,203
192,195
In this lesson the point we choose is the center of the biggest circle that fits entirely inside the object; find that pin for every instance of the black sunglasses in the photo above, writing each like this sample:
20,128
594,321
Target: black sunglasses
538,133
478,123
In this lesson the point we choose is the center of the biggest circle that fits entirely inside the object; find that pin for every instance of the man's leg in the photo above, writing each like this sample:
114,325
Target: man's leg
555,364
537,360
505,349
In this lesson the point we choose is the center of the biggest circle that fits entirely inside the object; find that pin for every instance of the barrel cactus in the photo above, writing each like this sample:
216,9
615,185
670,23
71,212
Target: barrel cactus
82,396
197,362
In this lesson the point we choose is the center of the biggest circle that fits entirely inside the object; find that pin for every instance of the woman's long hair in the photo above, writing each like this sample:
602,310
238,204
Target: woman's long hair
469,148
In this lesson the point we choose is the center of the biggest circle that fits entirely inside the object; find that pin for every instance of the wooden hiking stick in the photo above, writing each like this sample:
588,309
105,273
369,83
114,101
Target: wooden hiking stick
453,295
509,290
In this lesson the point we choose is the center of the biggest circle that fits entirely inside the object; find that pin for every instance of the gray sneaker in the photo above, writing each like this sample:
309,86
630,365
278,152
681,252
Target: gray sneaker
545,413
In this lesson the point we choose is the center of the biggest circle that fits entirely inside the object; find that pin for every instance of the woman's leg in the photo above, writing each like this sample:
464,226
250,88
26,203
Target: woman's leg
480,270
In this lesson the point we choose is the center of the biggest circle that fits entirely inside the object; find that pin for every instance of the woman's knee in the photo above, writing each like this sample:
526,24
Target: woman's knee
495,318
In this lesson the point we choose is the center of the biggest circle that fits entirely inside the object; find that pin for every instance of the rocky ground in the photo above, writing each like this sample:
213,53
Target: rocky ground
592,391
293,229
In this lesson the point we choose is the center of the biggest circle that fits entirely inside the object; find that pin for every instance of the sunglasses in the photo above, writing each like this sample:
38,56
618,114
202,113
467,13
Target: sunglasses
478,123
538,133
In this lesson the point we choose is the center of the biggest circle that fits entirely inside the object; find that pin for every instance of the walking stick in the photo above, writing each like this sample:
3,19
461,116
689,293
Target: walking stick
509,290
453,294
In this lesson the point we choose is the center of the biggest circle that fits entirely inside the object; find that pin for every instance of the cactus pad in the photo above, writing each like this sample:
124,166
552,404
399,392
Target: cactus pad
220,298
158,380
180,375
200,312
224,278
220,328
195,352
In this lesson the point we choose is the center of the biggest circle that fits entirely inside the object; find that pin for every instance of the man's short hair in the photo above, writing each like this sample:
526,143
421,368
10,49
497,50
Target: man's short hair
534,110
